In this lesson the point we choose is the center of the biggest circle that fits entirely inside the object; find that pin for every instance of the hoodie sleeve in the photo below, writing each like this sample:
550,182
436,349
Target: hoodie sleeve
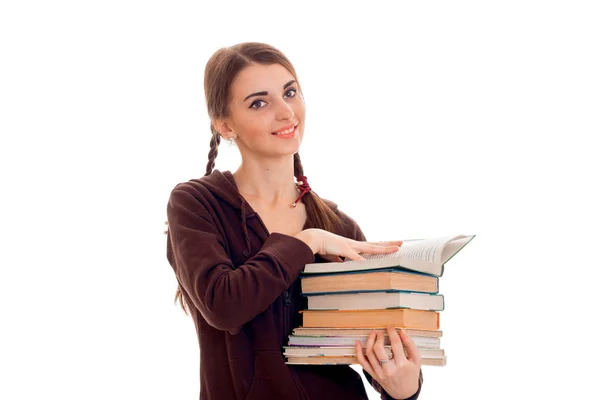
227,297
357,234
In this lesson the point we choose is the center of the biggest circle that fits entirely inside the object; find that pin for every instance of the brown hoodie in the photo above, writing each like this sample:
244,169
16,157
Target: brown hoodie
243,287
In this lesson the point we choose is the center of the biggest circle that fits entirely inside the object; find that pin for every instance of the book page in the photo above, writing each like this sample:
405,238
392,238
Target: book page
455,245
429,250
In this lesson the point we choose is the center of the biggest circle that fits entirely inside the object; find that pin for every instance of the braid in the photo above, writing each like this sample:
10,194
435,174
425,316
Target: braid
298,169
212,155
214,150
323,216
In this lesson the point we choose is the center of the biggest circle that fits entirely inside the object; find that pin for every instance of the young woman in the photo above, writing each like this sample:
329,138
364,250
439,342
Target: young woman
238,242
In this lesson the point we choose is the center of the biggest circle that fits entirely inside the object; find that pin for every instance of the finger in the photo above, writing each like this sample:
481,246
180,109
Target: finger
375,249
353,255
379,246
411,348
381,353
362,359
375,366
388,243
396,343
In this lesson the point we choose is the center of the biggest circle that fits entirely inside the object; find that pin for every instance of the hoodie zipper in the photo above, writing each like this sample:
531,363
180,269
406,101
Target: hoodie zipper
287,303
287,297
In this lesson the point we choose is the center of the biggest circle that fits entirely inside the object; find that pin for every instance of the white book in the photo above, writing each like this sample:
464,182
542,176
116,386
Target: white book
423,342
297,351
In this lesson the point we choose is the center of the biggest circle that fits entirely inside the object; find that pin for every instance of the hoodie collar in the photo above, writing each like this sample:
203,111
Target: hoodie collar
222,185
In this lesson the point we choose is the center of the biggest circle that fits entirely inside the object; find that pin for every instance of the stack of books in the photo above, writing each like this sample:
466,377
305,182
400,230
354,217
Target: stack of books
347,300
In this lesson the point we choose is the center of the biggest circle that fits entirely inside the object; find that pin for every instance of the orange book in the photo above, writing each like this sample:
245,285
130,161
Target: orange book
320,332
400,317
389,279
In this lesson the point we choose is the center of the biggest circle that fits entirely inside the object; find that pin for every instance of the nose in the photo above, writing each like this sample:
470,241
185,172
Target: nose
284,111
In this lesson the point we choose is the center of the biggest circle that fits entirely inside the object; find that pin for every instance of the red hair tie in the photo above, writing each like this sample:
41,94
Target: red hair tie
304,188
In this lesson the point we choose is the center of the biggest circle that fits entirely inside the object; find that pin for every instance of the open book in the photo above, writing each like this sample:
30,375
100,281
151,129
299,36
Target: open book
427,256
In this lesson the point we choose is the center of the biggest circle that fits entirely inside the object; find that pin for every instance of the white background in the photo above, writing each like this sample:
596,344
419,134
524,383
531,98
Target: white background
423,119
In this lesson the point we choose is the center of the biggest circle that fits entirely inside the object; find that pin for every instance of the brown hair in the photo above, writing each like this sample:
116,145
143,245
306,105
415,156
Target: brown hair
219,73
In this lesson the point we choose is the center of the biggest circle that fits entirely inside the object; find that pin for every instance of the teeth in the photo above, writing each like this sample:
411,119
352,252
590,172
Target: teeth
286,131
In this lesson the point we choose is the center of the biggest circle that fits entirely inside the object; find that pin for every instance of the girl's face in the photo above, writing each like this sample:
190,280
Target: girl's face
266,112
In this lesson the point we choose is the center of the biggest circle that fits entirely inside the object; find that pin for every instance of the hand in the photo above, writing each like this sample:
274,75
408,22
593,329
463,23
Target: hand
399,376
332,247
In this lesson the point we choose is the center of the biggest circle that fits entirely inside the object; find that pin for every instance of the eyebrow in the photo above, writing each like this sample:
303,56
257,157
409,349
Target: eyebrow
266,93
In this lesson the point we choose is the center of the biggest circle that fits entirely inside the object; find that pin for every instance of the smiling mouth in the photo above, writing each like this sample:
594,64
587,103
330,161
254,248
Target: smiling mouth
286,131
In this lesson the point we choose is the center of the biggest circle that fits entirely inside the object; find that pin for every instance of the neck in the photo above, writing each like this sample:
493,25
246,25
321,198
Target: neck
269,181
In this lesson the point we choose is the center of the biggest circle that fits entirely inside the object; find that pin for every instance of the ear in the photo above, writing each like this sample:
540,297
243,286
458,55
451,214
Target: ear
223,128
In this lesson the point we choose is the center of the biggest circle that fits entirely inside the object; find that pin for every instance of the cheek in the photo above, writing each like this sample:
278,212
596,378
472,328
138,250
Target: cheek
256,125
299,109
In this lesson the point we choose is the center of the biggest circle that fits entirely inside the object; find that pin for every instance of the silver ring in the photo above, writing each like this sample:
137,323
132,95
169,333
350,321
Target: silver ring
383,361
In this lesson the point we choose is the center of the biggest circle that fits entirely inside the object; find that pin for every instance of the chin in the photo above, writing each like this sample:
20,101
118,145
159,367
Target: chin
290,152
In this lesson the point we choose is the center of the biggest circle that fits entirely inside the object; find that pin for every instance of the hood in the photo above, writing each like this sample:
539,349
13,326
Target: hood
222,185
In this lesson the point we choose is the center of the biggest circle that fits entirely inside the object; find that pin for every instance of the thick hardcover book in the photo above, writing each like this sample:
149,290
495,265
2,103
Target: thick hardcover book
403,317
327,332
375,280
376,300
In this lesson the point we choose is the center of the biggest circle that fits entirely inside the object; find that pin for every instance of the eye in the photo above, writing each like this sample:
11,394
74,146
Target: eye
294,91
256,102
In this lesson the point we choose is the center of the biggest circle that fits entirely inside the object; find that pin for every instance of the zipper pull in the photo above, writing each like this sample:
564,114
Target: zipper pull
287,298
